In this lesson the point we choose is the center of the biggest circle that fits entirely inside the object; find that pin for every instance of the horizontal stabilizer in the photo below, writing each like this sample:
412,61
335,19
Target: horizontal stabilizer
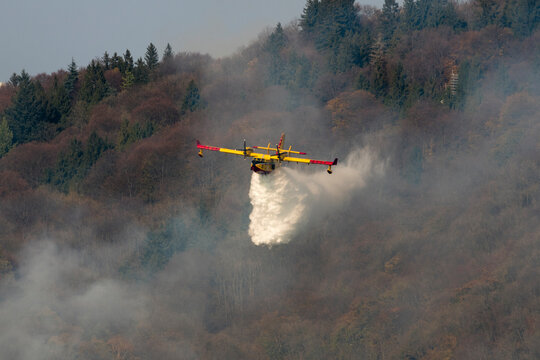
281,150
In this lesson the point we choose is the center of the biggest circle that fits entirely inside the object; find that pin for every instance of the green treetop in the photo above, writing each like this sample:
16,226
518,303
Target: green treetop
128,61
389,18
151,57
72,79
192,100
6,137
168,53
27,113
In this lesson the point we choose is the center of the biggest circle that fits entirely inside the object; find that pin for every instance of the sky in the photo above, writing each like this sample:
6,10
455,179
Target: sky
43,36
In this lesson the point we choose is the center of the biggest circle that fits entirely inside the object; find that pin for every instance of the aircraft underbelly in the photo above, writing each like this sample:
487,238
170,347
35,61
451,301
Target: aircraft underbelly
263,167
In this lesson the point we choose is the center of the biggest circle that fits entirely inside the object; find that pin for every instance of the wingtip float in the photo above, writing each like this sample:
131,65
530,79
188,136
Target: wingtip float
273,159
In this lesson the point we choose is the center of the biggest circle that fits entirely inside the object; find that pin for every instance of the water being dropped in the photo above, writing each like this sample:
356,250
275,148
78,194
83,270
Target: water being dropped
278,206
285,200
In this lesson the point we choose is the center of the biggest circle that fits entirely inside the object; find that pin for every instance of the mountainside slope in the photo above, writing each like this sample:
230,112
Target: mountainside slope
116,240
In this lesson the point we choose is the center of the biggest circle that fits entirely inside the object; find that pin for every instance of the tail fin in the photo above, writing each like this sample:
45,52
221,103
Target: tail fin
281,141
335,162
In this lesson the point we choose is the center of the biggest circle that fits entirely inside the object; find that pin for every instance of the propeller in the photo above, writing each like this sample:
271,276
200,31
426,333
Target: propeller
277,153
244,149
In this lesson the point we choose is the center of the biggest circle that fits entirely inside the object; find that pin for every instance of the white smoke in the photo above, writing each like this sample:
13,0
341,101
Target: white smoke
284,199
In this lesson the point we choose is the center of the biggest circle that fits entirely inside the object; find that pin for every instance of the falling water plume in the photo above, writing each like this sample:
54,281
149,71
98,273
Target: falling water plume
283,200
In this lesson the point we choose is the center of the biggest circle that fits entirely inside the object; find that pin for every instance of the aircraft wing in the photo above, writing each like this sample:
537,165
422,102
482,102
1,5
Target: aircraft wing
309,161
213,148
249,151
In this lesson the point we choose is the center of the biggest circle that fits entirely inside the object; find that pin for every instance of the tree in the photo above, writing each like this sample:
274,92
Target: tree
26,115
151,57
409,16
72,79
95,146
73,164
59,104
117,62
167,64
192,100
140,72
6,137
526,17
106,61
67,166
379,76
276,41
389,18
128,80
168,53
14,80
397,93
94,87
310,17
128,61
274,44
123,135
129,134
487,12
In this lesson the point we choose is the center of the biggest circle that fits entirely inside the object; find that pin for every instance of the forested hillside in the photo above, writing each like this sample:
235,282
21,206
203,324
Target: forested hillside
117,241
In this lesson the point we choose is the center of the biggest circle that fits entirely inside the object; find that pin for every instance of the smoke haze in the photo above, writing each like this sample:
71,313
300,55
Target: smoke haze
420,245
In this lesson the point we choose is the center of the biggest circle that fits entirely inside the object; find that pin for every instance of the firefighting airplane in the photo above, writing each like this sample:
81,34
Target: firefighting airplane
266,163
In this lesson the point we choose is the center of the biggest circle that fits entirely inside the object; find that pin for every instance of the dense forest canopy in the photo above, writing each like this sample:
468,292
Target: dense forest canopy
117,241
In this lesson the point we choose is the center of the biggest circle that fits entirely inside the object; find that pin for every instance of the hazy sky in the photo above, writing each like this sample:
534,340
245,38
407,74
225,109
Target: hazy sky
43,36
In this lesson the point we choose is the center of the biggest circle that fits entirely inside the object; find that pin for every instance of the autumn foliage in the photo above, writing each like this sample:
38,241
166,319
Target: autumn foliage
119,242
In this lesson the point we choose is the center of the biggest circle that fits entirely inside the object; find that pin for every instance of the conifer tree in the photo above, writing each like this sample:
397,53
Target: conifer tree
330,22
58,104
128,61
67,167
140,72
397,92
487,12
389,18
6,137
192,100
95,146
14,80
151,57
310,17
72,79
274,44
60,99
123,135
168,53
128,80
27,113
117,62
379,78
276,41
167,66
94,87
526,17
409,16
106,61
